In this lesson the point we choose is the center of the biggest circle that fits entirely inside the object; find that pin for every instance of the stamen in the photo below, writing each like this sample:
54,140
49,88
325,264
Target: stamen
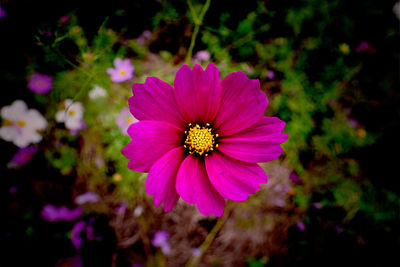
200,140
21,123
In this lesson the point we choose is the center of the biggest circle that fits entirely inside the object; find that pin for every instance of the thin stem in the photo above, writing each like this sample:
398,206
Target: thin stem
195,260
198,21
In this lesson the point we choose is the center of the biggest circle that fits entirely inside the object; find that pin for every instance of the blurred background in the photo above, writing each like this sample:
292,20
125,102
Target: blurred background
330,70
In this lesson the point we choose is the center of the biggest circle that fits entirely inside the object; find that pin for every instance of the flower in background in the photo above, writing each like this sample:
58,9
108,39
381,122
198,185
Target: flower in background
202,139
124,120
301,225
71,115
86,198
138,211
3,13
146,35
97,92
160,239
40,83
270,74
295,178
396,10
122,72
365,47
21,125
77,229
22,156
64,20
201,56
53,214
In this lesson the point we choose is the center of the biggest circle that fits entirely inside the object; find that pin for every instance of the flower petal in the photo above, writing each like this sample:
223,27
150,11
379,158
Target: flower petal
198,93
259,143
242,104
154,100
150,141
162,178
234,179
193,185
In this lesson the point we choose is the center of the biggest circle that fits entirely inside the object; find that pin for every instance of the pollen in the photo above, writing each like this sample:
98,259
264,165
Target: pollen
21,123
200,140
122,72
71,113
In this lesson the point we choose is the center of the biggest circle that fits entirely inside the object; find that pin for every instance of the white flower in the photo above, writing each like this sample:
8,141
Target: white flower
138,211
97,92
71,115
21,125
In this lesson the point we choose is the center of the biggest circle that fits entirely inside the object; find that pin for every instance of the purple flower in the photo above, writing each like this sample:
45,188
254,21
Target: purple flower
122,72
40,83
301,225
3,13
53,214
74,261
160,239
270,74
75,234
87,197
365,47
65,19
124,120
13,190
295,178
22,156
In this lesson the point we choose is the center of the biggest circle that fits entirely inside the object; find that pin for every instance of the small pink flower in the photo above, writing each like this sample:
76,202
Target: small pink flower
202,56
122,72
22,156
40,83
86,198
270,74
202,139
124,120
53,214
160,239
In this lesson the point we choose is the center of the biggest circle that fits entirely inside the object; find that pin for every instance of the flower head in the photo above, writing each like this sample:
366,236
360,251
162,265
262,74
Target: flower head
53,214
122,72
21,125
201,140
3,13
97,92
40,83
86,198
202,56
124,120
160,239
71,115
22,156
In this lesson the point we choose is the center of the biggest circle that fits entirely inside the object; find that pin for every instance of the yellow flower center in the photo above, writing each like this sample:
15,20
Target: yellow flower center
71,112
122,72
7,122
200,140
21,123
129,120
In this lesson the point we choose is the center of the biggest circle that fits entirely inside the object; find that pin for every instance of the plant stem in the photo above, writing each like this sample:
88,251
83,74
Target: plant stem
194,260
198,21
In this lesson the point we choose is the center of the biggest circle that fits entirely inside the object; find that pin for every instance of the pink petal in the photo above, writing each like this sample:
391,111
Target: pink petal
150,141
198,93
193,185
242,104
233,179
162,178
154,100
259,143
118,63
111,71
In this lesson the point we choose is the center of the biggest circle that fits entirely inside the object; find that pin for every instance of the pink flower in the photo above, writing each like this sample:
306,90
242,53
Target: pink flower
201,56
124,120
40,83
365,47
201,140
270,74
86,198
123,70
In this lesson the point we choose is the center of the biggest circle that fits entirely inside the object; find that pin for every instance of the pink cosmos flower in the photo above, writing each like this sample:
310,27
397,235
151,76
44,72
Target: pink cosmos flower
123,70
40,83
201,140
